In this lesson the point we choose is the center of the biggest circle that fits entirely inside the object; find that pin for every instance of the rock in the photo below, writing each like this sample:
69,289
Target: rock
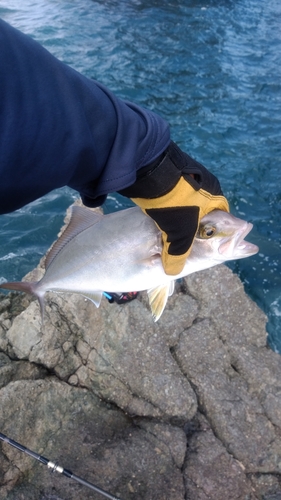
236,377
18,370
125,359
92,438
211,473
188,407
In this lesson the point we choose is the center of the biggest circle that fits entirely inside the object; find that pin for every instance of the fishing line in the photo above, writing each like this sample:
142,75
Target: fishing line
56,467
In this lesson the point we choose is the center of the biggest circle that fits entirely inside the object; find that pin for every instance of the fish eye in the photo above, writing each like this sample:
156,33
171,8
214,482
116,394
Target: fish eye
206,231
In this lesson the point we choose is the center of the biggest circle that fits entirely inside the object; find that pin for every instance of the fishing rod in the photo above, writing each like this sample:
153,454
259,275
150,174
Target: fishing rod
56,467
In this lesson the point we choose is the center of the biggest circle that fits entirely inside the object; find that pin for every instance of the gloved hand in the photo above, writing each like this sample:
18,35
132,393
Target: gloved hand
176,192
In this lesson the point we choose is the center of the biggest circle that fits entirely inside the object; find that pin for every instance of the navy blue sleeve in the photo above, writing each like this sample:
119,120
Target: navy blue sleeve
59,128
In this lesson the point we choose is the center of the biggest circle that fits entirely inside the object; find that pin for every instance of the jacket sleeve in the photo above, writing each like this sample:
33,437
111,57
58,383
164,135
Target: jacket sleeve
60,128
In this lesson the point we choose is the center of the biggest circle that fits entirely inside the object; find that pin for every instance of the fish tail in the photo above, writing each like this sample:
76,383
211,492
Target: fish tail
26,287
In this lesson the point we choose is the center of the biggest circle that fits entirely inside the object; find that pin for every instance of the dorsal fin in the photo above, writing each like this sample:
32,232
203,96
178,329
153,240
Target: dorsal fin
81,219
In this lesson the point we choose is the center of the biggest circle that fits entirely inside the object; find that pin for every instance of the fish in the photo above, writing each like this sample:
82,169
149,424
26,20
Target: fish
121,252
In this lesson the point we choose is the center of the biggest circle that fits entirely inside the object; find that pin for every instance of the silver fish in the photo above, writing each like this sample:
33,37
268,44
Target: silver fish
121,252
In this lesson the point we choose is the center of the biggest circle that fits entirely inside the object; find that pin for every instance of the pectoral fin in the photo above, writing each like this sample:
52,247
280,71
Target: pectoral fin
158,298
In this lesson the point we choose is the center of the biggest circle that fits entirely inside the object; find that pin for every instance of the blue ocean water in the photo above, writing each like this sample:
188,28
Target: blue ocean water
213,70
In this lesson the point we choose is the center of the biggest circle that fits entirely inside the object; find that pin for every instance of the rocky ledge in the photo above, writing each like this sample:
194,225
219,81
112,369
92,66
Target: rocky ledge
188,408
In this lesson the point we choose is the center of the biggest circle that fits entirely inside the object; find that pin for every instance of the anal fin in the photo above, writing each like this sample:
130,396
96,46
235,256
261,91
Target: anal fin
95,297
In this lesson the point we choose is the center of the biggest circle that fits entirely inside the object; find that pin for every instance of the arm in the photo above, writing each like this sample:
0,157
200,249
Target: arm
59,128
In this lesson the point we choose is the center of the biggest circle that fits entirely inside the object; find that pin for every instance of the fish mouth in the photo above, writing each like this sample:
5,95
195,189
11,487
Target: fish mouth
236,247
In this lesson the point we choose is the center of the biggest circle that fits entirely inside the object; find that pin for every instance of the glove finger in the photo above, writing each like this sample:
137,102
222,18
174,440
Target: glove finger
173,264
179,224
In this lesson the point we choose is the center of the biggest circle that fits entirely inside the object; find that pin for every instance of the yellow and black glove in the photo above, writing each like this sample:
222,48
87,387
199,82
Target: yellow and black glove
176,192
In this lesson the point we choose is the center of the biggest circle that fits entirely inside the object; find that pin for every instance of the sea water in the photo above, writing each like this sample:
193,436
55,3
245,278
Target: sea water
213,70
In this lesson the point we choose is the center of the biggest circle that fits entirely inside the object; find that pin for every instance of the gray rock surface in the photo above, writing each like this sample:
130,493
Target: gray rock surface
188,408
